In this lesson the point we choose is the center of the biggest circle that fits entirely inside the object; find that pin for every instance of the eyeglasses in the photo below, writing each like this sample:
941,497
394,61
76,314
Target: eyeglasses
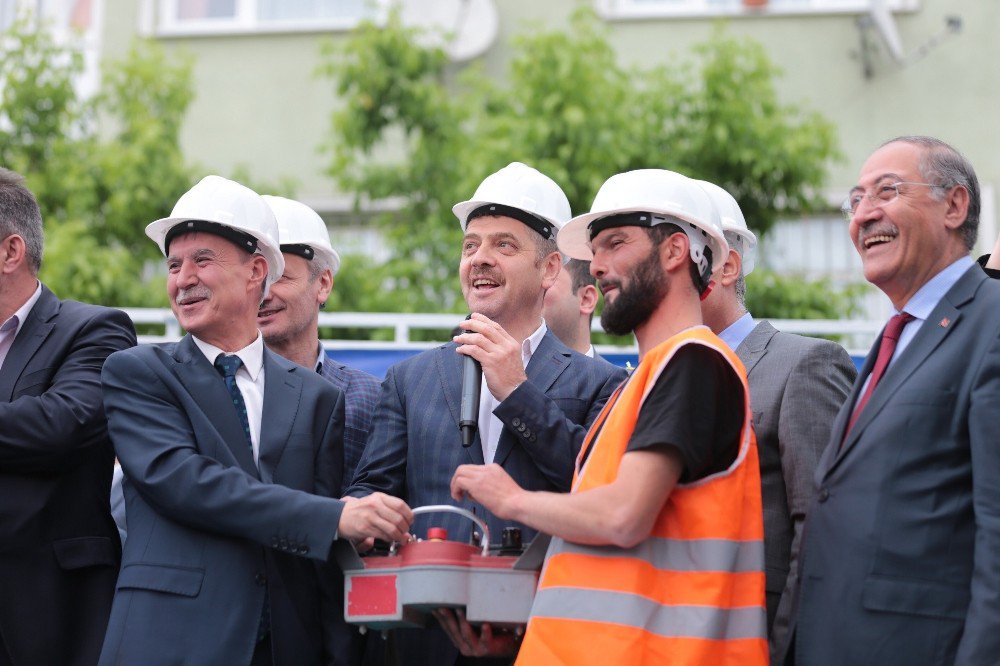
884,194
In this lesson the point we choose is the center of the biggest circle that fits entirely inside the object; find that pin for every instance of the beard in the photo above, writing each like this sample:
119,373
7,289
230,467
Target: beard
637,299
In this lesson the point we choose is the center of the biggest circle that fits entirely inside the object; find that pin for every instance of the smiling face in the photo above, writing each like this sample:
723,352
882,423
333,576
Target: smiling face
906,242
214,289
501,274
291,309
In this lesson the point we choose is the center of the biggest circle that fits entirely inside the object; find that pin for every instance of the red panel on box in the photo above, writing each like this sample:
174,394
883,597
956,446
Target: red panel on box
372,595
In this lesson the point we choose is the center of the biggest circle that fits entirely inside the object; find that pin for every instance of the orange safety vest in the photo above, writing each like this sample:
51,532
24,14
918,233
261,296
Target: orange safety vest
693,591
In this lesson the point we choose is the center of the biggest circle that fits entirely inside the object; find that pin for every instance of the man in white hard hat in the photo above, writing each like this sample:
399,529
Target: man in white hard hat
569,306
664,515
289,318
233,459
797,385
59,550
538,396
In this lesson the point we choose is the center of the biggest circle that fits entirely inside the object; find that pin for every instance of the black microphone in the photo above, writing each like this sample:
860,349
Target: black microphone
468,413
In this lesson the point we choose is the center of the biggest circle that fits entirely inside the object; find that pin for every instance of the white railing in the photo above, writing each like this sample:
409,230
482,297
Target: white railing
857,335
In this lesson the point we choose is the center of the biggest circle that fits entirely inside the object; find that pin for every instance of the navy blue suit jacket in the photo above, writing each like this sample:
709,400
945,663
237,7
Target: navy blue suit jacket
207,530
59,549
900,561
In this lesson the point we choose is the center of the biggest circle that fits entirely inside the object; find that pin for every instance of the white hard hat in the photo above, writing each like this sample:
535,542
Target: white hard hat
656,196
302,231
732,220
224,208
520,192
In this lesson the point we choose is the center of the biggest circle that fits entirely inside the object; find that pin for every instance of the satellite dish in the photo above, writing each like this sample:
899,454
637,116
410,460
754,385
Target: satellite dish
463,28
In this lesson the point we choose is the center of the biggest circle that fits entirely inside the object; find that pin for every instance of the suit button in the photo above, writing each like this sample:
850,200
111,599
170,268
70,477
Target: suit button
284,544
303,550
532,439
260,579
515,422
274,542
521,427
824,494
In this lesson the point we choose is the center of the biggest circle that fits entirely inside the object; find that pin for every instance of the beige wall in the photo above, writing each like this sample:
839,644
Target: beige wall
260,103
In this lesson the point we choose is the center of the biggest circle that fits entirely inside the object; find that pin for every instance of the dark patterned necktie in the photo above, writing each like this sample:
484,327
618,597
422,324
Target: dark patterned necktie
227,365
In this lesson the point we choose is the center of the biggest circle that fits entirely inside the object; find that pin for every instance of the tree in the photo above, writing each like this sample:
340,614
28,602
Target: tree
98,184
574,113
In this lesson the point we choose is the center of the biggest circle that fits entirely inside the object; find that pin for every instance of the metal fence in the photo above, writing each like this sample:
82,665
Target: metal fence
856,335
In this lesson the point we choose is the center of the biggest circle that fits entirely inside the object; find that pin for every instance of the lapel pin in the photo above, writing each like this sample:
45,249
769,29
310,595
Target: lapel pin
944,322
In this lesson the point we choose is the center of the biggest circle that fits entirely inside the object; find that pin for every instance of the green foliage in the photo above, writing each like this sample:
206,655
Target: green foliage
574,113
97,189
774,296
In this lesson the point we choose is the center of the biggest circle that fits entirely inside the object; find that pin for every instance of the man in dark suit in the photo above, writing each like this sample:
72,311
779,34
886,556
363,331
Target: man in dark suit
59,549
797,385
230,471
289,318
899,559
538,396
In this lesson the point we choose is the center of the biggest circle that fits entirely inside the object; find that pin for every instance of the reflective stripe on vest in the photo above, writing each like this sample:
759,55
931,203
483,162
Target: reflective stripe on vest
693,591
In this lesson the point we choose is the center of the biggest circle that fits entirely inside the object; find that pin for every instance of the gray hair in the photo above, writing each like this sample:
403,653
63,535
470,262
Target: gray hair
19,215
942,165
736,243
543,246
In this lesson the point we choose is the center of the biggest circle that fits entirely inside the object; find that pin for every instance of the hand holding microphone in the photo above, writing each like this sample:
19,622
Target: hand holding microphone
468,413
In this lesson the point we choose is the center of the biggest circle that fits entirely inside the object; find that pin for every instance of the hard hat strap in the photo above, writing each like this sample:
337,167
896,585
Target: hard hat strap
238,238
543,227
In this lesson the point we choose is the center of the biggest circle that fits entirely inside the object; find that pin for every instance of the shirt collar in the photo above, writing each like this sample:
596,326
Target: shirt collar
252,355
320,357
530,344
929,295
16,320
737,332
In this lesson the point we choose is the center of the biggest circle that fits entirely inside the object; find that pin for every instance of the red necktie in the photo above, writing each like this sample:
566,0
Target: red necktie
886,348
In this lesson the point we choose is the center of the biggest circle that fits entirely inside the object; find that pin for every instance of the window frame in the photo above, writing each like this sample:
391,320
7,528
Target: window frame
666,9
245,21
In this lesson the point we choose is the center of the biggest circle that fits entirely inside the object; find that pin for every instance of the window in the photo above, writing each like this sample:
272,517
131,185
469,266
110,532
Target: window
641,9
187,17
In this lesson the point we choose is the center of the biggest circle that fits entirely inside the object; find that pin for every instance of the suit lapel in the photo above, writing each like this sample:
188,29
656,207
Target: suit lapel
931,334
37,326
753,348
282,392
449,367
546,364
209,391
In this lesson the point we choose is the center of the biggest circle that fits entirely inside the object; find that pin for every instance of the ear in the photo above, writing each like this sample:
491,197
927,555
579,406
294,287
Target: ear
551,266
731,269
325,287
588,299
13,253
957,202
675,252
258,270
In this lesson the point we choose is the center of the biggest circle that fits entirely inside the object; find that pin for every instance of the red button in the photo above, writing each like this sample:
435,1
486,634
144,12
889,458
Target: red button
437,534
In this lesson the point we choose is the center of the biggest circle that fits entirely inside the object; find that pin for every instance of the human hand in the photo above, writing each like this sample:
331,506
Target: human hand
473,643
488,485
377,516
496,350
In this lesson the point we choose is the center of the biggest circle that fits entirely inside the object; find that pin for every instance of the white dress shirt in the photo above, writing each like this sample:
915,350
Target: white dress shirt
249,380
10,328
490,426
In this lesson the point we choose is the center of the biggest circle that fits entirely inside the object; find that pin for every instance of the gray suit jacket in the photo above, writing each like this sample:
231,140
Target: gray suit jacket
208,528
797,385
899,562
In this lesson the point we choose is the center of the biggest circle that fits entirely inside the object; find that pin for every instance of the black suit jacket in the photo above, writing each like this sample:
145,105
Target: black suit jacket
59,549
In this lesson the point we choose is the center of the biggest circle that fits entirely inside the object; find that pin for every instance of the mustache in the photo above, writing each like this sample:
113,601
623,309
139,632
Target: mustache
877,229
199,291
604,285
487,274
